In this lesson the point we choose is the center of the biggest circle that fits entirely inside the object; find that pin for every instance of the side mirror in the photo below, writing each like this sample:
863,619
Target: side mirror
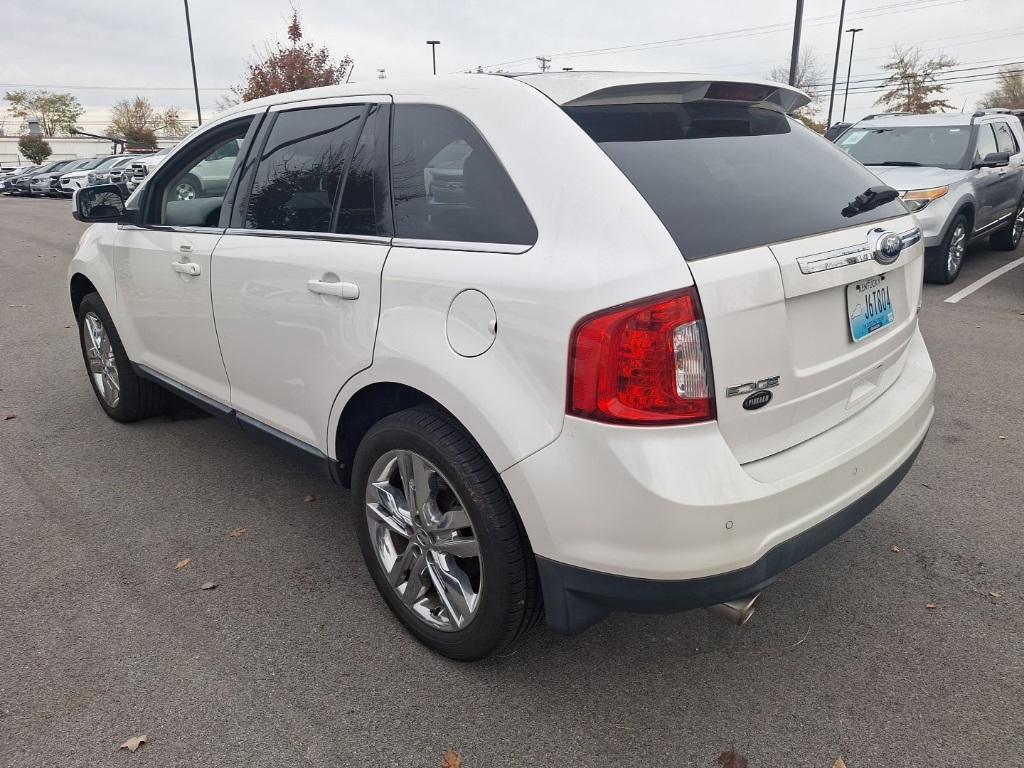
102,203
994,160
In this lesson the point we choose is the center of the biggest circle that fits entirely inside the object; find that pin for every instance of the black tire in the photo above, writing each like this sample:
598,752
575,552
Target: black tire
509,598
188,180
1009,237
937,266
138,398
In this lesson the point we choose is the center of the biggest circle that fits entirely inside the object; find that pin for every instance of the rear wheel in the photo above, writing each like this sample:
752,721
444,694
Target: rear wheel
1008,238
942,265
121,393
440,536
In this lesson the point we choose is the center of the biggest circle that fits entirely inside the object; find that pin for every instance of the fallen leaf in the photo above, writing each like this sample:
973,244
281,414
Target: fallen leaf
309,497
932,606
452,759
839,763
209,585
894,548
732,759
995,594
10,416
133,744
182,563
238,532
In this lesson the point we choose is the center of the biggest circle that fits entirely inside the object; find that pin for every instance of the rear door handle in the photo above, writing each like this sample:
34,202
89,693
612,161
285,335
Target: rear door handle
186,267
341,290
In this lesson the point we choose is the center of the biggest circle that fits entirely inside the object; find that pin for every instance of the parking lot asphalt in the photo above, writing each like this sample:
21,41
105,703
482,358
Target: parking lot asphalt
294,660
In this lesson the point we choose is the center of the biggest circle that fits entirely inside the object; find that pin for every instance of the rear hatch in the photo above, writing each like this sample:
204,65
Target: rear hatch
764,211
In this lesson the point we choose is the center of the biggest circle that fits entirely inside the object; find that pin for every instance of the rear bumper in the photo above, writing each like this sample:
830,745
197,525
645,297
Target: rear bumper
574,598
659,519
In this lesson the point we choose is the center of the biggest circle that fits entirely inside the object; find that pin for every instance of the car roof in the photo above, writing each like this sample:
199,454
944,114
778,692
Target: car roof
951,119
560,87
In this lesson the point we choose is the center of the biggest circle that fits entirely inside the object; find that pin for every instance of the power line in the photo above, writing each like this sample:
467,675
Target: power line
907,5
944,72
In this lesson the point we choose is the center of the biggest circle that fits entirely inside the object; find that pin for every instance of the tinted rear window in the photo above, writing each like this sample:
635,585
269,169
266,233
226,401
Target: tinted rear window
724,177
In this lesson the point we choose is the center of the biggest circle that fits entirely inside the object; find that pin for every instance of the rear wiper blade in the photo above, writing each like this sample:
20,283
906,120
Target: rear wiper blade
870,198
898,162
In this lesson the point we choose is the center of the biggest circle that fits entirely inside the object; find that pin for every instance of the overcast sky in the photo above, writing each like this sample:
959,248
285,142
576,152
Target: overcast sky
105,51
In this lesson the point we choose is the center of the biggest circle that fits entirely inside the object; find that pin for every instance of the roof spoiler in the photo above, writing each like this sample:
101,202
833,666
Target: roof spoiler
578,89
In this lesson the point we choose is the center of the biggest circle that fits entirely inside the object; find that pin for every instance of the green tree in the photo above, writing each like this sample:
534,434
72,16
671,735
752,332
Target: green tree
283,68
1009,90
56,112
913,84
35,148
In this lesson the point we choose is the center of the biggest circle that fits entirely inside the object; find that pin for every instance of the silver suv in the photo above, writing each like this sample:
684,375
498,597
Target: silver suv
961,175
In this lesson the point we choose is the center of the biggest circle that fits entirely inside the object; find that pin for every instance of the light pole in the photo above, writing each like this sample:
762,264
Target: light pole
794,56
835,66
192,56
433,52
853,39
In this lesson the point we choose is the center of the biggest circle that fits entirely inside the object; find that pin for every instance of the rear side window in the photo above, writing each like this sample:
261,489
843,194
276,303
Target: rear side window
301,168
365,205
728,176
447,184
1004,138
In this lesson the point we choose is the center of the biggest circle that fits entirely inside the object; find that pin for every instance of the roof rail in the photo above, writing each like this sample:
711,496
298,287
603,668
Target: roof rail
886,114
992,111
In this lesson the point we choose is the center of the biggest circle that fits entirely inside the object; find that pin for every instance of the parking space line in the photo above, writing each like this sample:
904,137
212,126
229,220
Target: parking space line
981,282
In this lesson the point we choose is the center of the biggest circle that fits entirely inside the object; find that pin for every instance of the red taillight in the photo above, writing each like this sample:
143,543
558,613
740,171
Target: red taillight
643,363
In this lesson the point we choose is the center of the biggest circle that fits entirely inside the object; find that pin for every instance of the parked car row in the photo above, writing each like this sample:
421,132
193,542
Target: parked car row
61,178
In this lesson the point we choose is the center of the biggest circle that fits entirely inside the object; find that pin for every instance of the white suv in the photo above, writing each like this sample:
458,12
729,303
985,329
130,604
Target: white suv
657,342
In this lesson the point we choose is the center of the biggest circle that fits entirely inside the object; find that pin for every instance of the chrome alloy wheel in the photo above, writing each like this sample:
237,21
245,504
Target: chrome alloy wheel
424,540
184,191
957,245
100,356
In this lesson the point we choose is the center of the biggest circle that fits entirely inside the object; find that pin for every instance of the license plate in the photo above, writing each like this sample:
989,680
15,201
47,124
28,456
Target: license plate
869,306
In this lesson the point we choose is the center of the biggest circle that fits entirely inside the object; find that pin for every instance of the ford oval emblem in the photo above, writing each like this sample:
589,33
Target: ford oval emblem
887,247
759,399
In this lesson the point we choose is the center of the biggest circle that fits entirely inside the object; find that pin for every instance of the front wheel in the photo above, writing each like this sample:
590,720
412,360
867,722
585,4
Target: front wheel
942,265
1008,238
121,392
440,536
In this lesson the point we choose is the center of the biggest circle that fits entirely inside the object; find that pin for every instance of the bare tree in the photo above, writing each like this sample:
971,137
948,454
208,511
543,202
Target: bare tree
1009,90
913,84
809,77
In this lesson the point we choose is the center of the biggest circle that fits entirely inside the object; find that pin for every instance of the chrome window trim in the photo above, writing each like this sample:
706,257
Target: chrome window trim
458,245
850,255
168,228
297,235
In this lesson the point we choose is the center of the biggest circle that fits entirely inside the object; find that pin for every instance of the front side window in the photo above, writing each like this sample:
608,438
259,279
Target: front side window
189,188
935,146
1004,138
301,168
986,143
447,184
727,176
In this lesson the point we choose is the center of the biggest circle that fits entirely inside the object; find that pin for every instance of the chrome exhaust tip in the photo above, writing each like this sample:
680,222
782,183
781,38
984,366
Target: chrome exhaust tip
736,612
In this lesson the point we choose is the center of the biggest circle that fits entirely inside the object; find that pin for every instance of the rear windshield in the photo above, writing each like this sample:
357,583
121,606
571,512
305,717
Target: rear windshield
725,176
935,146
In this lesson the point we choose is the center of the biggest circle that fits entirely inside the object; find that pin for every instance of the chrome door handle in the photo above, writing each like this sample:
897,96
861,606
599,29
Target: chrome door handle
186,267
341,290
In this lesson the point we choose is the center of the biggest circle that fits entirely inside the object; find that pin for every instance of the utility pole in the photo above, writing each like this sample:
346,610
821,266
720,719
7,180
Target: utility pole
835,65
794,56
192,56
545,63
849,67
433,52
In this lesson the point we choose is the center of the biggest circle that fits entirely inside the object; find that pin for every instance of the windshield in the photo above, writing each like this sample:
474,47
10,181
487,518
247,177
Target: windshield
933,146
726,176
109,162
